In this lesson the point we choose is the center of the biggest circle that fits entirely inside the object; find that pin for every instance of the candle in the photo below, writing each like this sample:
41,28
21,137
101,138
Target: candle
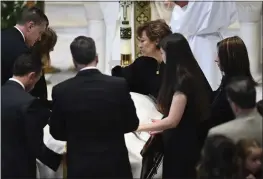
126,46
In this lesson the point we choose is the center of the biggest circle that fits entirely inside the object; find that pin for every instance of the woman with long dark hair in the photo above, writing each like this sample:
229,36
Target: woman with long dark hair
232,61
184,99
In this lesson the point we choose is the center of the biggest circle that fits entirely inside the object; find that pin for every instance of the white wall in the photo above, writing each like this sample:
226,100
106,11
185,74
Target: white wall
68,19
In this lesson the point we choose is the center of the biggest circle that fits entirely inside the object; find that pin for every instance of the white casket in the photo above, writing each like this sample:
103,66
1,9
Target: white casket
146,110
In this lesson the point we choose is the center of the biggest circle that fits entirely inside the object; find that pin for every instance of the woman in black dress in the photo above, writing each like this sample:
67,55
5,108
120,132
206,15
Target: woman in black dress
145,73
232,61
184,99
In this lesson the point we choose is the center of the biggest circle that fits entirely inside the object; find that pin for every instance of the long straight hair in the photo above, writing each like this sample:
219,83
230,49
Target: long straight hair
233,58
181,65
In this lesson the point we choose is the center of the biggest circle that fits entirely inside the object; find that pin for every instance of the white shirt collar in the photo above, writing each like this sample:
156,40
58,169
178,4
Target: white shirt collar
20,32
87,68
19,82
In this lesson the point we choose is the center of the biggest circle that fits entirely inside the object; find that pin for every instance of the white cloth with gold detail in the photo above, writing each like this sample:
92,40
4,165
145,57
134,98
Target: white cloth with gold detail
202,23
146,110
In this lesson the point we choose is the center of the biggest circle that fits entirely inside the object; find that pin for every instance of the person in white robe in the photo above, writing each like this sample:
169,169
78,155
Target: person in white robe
202,23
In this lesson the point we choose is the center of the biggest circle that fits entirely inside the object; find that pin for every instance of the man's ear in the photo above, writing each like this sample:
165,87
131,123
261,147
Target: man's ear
31,75
30,25
157,43
97,59
234,107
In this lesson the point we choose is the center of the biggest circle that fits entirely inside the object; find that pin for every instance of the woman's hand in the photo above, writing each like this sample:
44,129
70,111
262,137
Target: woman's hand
155,132
156,120
250,177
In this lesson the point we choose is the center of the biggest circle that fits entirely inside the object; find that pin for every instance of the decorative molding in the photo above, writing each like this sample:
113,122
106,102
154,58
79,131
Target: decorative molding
142,14
125,32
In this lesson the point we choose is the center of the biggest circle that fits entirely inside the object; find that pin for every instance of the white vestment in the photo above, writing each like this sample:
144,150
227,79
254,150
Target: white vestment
202,24
145,109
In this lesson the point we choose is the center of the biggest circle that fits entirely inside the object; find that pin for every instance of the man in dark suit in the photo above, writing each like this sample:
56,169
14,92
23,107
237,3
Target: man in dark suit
241,94
92,112
23,119
20,39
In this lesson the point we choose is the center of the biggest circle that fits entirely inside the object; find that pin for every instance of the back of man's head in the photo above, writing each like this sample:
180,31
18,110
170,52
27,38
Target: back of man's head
242,92
33,14
83,50
27,69
26,64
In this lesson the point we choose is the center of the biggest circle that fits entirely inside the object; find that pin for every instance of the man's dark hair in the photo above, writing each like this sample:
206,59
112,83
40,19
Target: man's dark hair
83,50
33,14
241,90
25,64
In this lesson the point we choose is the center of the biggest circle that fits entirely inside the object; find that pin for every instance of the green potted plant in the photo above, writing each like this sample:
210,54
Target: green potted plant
10,11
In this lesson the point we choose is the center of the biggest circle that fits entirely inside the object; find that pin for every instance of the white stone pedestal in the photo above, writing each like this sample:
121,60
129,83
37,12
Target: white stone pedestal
96,30
250,31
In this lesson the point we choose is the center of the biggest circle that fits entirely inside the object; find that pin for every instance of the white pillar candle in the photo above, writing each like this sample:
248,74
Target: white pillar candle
126,48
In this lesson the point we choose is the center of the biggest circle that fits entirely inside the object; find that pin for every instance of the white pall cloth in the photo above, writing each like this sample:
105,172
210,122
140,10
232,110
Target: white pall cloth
146,110
202,23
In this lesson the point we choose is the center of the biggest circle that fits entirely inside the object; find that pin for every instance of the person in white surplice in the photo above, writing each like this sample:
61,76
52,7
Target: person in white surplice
202,23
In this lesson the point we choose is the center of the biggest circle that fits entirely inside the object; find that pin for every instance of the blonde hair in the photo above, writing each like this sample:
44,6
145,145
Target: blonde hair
244,147
48,41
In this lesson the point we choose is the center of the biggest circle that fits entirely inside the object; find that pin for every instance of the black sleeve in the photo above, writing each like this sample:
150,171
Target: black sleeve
128,72
40,89
57,123
134,73
36,118
130,120
185,86
221,111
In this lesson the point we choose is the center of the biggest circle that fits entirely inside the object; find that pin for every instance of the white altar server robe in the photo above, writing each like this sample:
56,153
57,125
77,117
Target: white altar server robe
202,23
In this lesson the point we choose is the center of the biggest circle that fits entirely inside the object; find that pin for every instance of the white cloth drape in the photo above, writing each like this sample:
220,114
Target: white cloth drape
159,11
145,109
201,23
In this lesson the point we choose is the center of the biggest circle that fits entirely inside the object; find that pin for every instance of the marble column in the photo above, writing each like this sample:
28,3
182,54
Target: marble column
250,31
96,30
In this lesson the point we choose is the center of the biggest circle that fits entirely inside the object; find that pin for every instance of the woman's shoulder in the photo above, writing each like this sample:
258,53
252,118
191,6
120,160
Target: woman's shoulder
185,84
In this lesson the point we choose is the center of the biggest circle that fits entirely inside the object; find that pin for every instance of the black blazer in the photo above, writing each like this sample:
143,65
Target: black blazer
23,119
13,45
92,112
